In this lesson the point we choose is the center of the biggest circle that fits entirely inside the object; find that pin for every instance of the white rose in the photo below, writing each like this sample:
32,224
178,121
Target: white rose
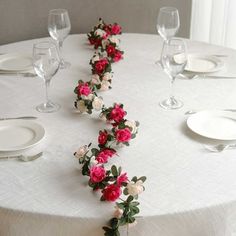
102,117
114,40
105,85
90,97
100,32
135,188
95,79
132,125
81,106
107,76
95,58
93,162
81,151
97,103
104,43
118,212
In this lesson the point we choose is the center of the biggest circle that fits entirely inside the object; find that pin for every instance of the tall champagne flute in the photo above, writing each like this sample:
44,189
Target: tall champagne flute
167,23
59,27
174,60
46,63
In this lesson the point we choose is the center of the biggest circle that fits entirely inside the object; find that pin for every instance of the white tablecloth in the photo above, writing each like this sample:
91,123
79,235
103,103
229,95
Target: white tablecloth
189,191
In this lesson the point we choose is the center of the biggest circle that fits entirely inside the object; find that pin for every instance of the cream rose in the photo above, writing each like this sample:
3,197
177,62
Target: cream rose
105,85
81,151
107,76
104,43
81,106
93,161
132,125
135,188
100,32
118,212
114,40
95,79
97,103
95,58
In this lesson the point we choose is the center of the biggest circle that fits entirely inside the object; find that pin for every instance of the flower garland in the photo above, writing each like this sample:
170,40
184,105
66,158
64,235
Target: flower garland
111,181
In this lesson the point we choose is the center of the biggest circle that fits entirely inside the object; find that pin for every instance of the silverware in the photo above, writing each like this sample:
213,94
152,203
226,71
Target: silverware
219,147
21,117
23,157
190,112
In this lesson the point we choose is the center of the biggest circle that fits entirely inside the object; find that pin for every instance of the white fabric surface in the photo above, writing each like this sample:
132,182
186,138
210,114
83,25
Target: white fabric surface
189,191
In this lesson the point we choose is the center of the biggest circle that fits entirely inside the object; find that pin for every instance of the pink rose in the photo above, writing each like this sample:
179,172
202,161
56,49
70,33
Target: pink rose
84,89
111,192
101,65
123,135
110,50
97,174
122,179
118,56
102,138
103,155
117,113
115,29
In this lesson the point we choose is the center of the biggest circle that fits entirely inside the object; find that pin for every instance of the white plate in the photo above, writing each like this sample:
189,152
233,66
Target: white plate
15,62
18,135
214,124
203,63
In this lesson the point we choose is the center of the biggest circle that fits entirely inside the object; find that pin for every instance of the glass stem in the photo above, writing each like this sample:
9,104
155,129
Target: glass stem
60,44
47,85
172,87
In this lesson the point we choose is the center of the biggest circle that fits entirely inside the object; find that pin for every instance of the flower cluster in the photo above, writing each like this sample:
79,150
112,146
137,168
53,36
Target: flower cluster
87,99
110,47
101,72
102,31
112,182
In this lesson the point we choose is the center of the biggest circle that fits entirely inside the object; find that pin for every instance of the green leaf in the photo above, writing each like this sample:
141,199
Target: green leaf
130,199
114,223
125,192
134,179
119,170
114,170
134,204
143,178
94,151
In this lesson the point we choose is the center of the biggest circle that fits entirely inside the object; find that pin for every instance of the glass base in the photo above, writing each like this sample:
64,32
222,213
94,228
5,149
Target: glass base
48,107
171,103
64,64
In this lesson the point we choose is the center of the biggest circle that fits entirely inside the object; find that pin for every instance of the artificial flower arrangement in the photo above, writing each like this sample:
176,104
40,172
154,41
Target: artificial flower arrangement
102,31
110,47
101,72
112,182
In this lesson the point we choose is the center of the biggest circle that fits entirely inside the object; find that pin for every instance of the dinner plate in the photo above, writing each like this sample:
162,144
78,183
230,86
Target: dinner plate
214,124
15,62
203,63
18,135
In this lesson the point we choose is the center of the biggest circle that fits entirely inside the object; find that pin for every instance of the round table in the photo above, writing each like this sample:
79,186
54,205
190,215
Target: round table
189,191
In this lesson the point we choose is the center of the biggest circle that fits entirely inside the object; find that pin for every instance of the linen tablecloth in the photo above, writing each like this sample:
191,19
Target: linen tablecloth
189,191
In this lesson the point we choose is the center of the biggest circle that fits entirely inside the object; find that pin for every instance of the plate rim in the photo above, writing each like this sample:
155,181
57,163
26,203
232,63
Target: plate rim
203,135
205,56
28,55
41,137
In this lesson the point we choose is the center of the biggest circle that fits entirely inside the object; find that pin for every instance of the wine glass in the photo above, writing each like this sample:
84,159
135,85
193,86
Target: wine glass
167,24
46,63
59,27
174,60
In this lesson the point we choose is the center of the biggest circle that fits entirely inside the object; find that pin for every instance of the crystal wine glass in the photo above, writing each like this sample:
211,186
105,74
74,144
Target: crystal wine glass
174,60
46,63
59,27
167,23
